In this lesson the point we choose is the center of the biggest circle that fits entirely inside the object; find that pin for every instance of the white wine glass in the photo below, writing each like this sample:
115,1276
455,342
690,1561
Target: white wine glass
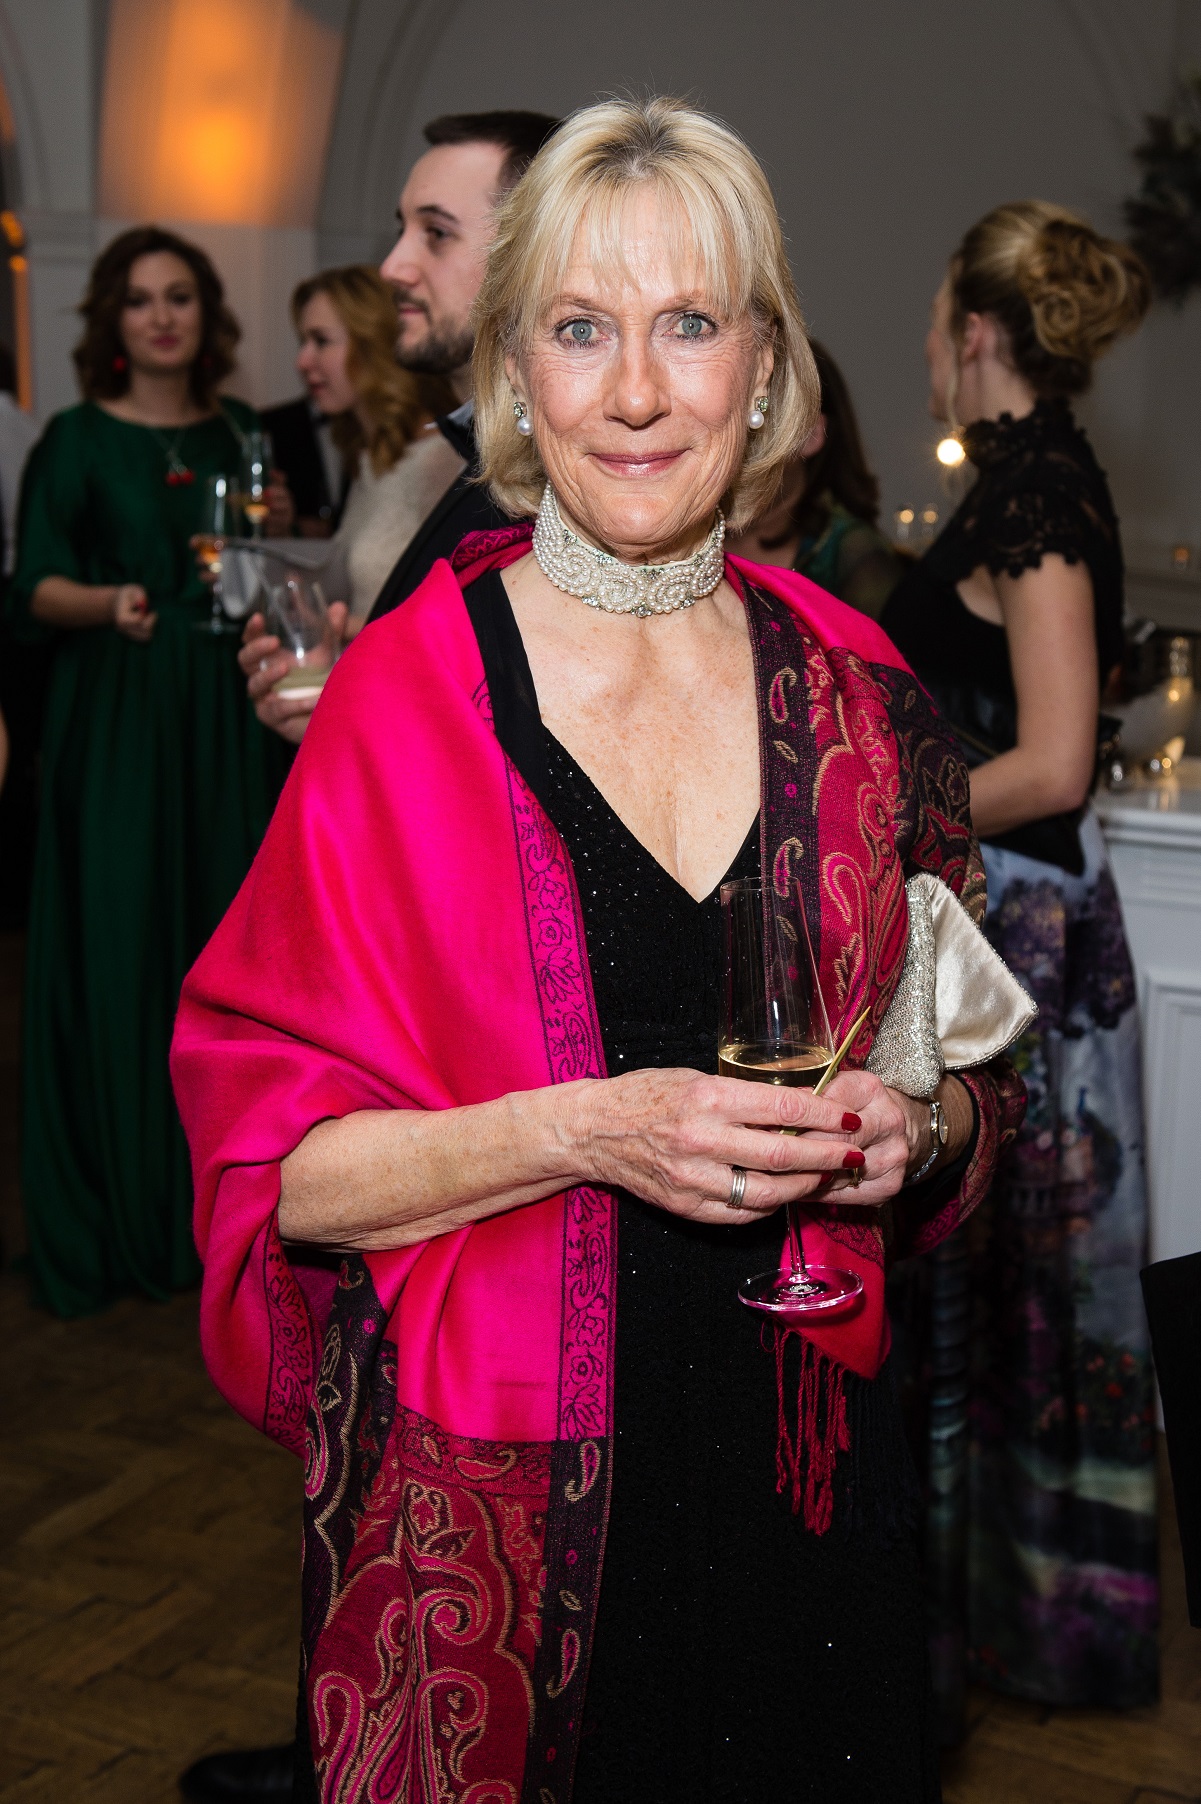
256,476
775,1030
216,508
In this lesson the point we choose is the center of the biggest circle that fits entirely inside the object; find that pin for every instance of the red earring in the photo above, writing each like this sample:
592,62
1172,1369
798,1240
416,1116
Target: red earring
119,364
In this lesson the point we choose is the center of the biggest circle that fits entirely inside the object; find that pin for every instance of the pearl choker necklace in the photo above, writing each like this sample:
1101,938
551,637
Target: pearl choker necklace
604,582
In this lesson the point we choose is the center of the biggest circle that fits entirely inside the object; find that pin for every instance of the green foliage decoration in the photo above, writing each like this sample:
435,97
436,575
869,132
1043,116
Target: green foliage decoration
1165,216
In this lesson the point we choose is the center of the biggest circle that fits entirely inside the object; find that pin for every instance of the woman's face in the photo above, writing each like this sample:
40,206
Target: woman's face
321,359
639,394
162,322
941,356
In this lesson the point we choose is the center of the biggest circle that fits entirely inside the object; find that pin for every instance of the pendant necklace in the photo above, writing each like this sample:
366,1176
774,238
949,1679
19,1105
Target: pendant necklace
177,470
603,581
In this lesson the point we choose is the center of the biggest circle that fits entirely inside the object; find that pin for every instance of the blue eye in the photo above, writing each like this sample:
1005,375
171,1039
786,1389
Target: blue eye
581,331
692,324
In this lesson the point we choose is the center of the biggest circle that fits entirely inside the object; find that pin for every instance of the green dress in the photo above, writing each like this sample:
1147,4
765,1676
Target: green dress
850,558
157,785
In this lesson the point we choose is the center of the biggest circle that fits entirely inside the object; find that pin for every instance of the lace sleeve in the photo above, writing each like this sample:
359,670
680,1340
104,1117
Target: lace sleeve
1047,504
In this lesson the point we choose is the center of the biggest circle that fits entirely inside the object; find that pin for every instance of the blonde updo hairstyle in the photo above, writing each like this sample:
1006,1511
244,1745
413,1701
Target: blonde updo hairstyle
718,210
1061,291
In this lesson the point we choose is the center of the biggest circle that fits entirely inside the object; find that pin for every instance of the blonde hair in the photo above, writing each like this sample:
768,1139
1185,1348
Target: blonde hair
1062,292
721,212
397,400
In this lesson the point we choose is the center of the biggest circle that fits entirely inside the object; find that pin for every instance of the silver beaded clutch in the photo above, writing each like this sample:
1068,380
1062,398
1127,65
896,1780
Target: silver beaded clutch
958,1004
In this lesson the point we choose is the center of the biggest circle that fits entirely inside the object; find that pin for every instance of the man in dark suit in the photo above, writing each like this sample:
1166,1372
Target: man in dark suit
435,269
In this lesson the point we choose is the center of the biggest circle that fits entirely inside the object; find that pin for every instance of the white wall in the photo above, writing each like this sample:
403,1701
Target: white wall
48,60
887,129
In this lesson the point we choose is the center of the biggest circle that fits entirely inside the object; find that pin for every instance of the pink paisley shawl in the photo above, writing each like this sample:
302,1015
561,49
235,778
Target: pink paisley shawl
410,937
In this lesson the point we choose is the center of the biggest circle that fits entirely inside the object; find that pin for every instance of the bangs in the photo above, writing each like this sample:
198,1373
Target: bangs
707,238
716,227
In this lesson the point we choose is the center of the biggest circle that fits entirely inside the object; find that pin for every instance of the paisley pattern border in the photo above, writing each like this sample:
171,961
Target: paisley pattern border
581,1457
292,1353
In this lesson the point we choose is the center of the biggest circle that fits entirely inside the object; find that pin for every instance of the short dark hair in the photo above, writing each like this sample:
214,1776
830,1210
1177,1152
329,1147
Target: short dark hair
521,134
100,354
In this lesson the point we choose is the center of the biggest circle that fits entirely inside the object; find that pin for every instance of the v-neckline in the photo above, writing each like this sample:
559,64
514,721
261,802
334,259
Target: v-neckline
523,734
637,844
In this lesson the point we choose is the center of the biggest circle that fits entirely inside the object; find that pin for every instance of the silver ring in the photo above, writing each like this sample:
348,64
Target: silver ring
737,1187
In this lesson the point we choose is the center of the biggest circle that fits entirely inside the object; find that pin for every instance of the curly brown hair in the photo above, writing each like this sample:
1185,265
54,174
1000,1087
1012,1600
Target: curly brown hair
1062,292
100,355
397,400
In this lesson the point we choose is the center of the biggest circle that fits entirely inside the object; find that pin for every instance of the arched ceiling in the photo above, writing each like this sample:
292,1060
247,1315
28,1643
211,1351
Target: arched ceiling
387,49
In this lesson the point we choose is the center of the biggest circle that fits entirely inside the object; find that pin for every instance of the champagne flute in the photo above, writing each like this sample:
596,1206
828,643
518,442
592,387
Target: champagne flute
775,1030
209,542
256,474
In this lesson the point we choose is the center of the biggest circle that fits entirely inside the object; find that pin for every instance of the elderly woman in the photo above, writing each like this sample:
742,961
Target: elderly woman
571,1531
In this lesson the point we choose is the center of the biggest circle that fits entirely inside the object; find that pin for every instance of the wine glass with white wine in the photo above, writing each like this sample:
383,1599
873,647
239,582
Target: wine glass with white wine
216,507
775,1030
256,476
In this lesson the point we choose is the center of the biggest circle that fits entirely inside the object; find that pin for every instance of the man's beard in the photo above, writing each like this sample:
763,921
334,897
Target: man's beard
439,353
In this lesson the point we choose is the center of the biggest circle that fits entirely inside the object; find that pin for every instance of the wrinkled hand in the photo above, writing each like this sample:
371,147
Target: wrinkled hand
281,509
894,1127
131,613
672,1137
263,663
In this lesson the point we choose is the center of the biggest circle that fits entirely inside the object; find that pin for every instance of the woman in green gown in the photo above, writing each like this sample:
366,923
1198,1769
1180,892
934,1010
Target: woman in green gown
157,781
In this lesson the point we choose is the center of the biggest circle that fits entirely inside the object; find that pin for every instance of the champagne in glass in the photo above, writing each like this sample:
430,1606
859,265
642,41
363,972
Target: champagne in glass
775,1030
215,504
256,474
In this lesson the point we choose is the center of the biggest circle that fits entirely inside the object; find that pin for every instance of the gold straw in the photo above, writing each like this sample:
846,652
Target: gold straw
831,1070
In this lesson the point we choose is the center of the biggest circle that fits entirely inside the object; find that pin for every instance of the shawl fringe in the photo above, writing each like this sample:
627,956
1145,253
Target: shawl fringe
806,1461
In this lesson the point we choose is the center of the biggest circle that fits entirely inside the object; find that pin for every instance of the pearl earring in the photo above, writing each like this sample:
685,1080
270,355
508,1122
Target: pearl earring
524,425
758,416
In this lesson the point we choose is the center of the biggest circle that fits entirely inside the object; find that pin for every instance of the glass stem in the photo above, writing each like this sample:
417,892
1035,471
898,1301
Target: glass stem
795,1248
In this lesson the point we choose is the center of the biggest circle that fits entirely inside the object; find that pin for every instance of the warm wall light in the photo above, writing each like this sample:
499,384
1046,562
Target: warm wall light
949,452
216,110
18,267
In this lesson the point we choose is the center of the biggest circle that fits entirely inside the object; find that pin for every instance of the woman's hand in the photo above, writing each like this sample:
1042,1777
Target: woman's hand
386,1178
673,1137
131,615
895,1136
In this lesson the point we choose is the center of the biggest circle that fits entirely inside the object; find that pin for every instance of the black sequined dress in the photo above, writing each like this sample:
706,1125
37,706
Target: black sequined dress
738,1657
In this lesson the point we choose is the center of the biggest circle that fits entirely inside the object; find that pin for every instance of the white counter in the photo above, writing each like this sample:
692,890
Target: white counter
1153,829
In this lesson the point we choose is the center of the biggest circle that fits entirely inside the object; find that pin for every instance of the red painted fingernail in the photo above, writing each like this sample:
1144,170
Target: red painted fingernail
852,1158
851,1122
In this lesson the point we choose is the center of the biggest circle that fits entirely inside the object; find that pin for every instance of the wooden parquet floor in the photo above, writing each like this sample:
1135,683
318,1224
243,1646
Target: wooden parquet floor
148,1575
148,1563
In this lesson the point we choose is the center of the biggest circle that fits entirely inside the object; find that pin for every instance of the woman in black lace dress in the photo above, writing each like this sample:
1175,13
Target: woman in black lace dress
1013,621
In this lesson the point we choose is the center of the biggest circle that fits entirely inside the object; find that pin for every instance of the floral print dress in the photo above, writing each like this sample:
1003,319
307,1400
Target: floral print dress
1041,1543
